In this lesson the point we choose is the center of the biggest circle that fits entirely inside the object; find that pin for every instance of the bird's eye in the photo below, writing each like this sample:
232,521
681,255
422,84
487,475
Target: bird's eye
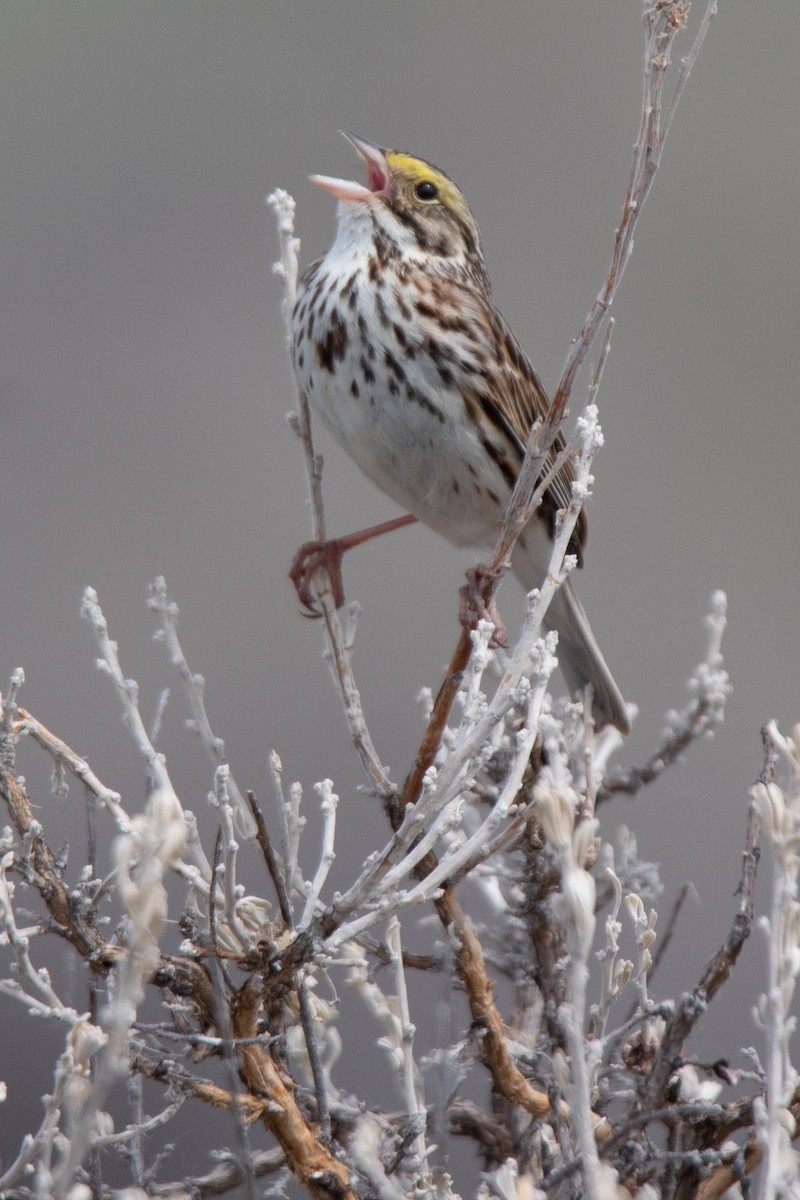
426,190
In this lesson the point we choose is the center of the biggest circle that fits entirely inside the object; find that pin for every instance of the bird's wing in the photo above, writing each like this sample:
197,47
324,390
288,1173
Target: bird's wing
513,397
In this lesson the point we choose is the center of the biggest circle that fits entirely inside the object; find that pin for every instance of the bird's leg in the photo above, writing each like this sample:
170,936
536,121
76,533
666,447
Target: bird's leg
473,607
313,556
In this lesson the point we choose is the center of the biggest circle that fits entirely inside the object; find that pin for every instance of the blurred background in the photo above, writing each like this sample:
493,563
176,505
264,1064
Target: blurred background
144,386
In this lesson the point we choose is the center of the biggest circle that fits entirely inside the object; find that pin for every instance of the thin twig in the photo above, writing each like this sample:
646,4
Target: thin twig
301,984
8,707
413,1106
314,1057
201,1039
221,802
271,859
669,931
328,802
292,824
717,970
700,719
193,685
127,692
216,870
64,757
223,988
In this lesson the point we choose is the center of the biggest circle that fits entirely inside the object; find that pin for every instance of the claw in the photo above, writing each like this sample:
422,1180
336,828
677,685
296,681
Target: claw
311,558
473,607
318,556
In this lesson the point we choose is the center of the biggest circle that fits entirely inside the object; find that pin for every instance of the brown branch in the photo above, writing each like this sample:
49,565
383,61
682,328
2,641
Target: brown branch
715,1185
300,983
506,1075
734,1117
253,1107
41,869
433,732
307,1157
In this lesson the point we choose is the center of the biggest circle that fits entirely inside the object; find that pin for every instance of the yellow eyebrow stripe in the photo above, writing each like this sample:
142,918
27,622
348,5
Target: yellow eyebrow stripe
417,170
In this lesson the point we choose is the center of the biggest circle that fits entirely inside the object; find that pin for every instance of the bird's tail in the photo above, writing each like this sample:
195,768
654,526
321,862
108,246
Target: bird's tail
581,660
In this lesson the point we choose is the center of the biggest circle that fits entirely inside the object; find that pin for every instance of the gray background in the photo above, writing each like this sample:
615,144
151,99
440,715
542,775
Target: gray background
144,387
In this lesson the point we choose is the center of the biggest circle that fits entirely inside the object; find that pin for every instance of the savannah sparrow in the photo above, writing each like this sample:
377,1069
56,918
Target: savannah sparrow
400,349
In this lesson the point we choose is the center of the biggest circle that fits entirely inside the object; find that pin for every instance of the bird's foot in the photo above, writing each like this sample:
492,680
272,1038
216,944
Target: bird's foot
473,606
311,558
318,556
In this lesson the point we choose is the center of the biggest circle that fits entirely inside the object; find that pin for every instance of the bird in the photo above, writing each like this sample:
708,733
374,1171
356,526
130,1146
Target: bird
402,353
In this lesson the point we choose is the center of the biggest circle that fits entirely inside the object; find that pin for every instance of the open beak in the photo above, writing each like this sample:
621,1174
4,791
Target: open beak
374,159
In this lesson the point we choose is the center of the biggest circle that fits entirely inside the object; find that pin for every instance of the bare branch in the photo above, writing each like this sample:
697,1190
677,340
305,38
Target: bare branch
704,714
193,685
65,758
